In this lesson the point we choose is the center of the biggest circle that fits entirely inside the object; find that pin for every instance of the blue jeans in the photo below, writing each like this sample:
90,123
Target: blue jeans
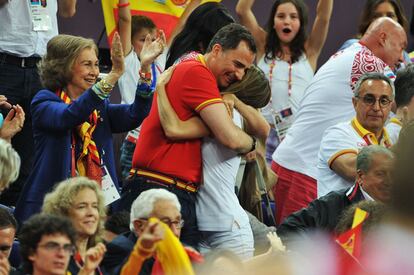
127,152
131,189
20,85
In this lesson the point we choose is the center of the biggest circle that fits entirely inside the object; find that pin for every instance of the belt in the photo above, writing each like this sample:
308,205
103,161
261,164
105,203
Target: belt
180,184
22,62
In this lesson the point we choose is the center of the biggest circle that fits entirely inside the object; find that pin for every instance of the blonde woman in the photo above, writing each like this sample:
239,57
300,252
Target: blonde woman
9,164
81,200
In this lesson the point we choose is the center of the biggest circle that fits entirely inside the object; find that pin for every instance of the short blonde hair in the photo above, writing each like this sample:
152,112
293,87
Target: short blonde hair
55,68
60,200
9,164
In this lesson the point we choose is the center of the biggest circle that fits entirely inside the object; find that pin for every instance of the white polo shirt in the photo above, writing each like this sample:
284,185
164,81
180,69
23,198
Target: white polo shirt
340,139
327,101
393,128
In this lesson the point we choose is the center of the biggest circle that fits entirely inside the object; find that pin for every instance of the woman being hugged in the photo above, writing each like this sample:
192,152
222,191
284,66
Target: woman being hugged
287,56
73,120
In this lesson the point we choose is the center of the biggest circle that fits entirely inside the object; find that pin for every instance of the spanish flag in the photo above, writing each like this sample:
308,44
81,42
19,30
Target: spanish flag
164,13
350,244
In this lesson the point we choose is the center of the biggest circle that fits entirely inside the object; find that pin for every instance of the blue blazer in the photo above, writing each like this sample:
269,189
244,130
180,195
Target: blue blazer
53,125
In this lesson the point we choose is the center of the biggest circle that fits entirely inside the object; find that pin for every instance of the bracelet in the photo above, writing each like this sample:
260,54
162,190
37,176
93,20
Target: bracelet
105,86
146,76
123,5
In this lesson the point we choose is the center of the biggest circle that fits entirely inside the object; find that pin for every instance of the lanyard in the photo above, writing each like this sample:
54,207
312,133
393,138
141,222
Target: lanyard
272,66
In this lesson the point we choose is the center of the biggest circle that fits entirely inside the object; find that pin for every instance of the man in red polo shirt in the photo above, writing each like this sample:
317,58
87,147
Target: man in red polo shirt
193,91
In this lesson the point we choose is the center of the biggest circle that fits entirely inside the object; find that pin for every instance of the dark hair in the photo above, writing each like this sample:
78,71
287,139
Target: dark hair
404,86
118,222
368,15
201,26
253,89
230,36
38,226
140,22
273,47
7,219
376,212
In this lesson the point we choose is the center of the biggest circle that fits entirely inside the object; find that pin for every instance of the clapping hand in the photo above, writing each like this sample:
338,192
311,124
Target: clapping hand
117,55
13,123
93,258
152,49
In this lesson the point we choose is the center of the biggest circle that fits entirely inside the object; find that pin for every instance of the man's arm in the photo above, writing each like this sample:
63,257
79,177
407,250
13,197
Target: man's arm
345,166
224,130
66,8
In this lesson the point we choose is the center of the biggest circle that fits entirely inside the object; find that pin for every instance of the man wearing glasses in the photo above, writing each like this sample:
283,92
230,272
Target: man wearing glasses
153,203
340,144
47,243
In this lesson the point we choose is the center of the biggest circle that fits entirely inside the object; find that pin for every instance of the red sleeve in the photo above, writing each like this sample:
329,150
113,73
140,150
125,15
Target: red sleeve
199,88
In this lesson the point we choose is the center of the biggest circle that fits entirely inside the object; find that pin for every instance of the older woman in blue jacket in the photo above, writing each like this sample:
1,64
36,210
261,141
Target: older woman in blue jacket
73,120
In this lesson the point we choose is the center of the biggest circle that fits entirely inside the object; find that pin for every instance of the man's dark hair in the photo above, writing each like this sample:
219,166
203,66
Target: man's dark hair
118,222
404,86
230,36
7,219
38,226
140,22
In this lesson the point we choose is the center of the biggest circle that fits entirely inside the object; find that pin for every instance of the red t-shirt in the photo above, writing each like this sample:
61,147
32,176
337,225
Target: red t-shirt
192,87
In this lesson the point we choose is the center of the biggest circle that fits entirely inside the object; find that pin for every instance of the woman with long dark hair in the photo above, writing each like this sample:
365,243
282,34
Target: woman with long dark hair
287,55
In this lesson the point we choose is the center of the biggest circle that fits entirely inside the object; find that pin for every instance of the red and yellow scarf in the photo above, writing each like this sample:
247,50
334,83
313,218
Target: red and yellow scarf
88,163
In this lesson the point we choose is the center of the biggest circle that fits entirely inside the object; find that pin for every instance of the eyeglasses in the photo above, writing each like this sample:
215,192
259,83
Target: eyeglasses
56,247
370,100
177,224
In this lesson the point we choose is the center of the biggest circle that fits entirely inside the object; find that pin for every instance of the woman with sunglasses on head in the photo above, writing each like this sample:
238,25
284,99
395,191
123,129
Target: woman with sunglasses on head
287,56
81,200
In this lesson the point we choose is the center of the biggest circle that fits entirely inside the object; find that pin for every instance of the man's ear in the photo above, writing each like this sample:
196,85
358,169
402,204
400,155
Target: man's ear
216,49
31,256
354,101
382,38
405,114
359,177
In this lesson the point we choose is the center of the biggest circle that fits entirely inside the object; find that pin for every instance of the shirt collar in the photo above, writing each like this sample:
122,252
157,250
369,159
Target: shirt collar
369,137
366,195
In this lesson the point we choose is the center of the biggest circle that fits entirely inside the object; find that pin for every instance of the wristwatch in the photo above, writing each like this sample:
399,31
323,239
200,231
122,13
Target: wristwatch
105,86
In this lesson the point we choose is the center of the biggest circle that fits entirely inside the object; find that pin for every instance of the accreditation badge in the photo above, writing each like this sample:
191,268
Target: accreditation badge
283,121
40,16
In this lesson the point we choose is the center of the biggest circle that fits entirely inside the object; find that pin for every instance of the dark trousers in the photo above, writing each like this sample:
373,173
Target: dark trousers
135,186
19,85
